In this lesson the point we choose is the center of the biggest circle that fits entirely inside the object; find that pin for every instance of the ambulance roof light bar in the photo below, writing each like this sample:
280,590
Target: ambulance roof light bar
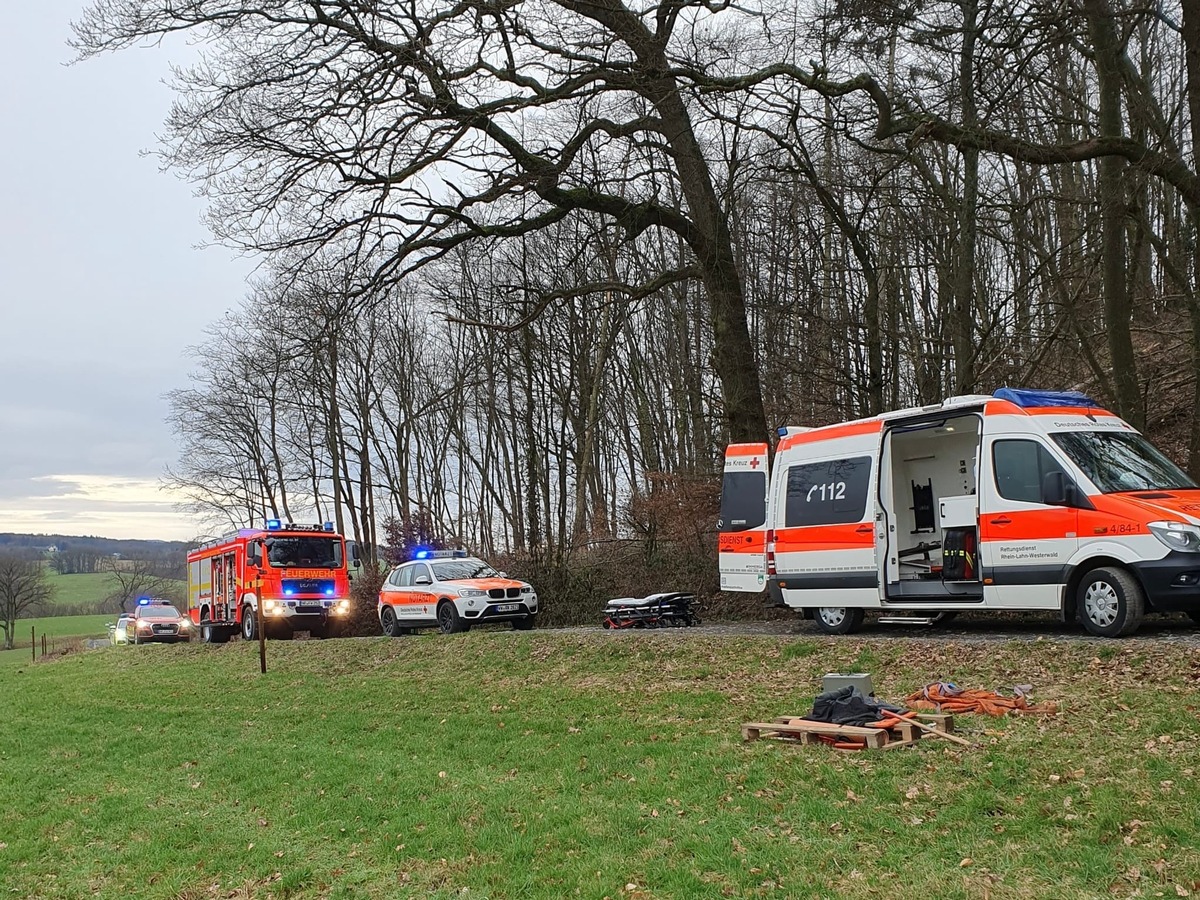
1028,399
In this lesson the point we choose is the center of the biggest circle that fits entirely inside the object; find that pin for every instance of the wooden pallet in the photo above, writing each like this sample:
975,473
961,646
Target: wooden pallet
806,732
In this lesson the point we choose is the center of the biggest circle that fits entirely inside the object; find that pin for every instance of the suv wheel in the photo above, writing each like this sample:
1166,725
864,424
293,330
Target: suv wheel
449,621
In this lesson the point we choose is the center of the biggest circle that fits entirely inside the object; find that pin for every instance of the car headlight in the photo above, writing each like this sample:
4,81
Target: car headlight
1177,535
526,589
184,624
472,592
145,624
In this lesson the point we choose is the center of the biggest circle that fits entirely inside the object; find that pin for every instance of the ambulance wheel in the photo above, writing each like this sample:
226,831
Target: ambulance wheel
838,619
391,625
449,621
249,624
1110,602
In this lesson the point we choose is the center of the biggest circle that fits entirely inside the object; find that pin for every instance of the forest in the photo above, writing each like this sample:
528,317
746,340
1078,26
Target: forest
529,265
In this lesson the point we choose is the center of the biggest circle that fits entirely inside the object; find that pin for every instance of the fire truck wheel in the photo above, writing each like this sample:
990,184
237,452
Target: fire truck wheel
1110,602
449,621
391,625
838,619
210,635
249,624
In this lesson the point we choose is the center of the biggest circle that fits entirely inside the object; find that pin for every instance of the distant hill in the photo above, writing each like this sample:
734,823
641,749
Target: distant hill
129,549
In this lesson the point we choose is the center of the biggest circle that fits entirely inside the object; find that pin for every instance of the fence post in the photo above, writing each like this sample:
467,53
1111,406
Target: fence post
33,641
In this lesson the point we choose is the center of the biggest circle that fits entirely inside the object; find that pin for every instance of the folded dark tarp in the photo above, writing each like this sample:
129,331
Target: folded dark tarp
850,706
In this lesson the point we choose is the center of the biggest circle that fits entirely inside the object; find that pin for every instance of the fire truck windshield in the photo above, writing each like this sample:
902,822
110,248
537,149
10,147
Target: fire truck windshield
309,552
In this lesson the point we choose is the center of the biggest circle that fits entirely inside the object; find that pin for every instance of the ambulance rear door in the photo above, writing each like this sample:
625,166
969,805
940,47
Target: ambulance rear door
743,524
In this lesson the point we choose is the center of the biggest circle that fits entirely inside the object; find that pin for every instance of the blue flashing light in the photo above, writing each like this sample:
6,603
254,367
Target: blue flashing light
1031,399
288,592
328,592
328,526
781,431
274,525
143,601
422,554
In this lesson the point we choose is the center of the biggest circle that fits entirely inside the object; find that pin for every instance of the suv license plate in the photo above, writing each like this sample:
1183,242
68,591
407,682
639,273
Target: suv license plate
508,607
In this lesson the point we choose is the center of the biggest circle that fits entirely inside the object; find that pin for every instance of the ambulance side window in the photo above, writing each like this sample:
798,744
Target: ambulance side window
743,501
833,492
405,577
1020,467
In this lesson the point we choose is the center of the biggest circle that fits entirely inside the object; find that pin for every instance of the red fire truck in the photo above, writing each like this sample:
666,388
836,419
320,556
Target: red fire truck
298,571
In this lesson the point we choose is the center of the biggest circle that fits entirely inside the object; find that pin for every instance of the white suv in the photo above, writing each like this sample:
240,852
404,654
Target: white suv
451,591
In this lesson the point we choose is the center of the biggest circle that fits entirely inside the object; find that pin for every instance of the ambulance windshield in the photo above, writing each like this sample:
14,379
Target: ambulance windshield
1122,461
306,552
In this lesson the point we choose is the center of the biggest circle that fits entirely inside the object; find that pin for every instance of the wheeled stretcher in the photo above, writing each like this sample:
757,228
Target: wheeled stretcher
668,610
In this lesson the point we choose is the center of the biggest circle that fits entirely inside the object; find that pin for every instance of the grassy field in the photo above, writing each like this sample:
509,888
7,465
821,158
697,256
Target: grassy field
74,590
60,630
77,590
547,765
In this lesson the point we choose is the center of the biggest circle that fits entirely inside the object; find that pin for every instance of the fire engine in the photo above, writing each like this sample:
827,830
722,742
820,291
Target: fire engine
298,571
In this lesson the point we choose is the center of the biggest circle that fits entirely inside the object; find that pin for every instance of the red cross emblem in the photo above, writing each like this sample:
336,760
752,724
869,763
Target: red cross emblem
754,463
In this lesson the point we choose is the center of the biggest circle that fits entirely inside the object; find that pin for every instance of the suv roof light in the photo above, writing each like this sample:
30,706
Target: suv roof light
439,554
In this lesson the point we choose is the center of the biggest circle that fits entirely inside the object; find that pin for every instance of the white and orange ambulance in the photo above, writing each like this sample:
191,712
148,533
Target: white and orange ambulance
1023,500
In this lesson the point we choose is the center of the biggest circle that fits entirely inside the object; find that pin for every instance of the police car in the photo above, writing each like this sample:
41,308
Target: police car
452,591
156,621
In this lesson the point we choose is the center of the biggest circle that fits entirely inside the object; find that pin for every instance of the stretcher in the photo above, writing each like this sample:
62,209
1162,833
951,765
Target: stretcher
668,610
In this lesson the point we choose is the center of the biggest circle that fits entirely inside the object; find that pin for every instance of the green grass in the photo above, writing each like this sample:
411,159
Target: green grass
59,630
546,765
78,590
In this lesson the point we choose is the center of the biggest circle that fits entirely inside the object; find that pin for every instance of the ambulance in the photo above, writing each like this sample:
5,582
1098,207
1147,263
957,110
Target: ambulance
1021,500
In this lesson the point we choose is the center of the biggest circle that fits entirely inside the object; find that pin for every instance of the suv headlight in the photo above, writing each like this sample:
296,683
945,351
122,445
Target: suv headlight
472,592
1177,535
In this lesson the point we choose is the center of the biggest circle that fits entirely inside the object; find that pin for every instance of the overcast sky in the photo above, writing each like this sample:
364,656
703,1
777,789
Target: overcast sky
102,284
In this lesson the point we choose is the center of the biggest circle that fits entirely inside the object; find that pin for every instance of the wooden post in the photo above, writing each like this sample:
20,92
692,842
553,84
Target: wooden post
33,641
43,644
261,619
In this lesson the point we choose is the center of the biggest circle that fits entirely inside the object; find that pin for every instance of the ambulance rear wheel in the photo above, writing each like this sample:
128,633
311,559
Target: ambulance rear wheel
838,619
1110,601
449,621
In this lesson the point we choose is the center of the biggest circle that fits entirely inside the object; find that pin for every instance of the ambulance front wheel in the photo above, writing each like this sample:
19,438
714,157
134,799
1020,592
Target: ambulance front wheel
838,619
1110,601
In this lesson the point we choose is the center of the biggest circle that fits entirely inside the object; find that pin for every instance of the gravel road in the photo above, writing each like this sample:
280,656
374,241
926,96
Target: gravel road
967,628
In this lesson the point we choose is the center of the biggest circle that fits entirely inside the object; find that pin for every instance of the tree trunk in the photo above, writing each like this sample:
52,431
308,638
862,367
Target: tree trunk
1118,310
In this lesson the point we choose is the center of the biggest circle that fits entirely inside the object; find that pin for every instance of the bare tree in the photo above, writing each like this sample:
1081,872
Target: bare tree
23,589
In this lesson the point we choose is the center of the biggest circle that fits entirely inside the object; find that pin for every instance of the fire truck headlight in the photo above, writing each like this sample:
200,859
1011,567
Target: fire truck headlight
1177,535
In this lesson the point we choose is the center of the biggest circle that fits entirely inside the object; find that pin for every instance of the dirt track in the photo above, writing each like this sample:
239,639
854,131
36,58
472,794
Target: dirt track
967,628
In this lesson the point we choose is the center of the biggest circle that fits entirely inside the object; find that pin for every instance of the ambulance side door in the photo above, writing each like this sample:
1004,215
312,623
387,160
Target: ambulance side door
742,544
1025,544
